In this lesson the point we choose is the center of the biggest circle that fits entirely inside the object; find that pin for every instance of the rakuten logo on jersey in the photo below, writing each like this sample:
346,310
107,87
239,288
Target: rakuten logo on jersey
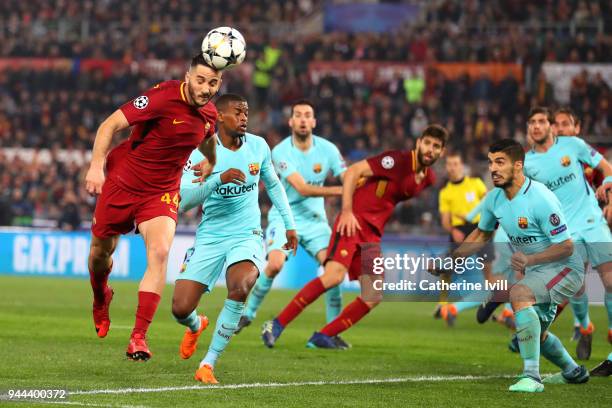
561,181
233,190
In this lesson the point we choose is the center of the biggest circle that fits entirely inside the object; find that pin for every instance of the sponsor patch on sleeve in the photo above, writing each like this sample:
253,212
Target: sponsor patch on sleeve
558,230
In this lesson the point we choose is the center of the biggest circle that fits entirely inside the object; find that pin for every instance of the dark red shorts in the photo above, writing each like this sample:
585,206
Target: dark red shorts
355,252
118,211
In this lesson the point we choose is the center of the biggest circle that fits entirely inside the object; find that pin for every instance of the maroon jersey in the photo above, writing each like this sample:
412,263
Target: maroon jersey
393,181
166,130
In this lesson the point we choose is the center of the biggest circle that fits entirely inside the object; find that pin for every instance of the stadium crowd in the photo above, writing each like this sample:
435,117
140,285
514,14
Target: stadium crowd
62,107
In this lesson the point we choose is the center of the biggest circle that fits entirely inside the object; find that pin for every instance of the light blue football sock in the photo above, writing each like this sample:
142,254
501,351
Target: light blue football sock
528,331
610,356
580,307
553,351
192,321
608,303
258,293
333,303
227,322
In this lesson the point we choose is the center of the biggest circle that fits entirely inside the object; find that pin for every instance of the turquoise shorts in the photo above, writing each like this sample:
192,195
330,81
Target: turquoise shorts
554,282
206,260
313,237
594,244
501,264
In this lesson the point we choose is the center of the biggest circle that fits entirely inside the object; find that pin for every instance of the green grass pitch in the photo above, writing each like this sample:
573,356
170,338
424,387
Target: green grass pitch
47,340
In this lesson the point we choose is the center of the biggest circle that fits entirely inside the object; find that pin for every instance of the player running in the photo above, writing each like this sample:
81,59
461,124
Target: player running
303,161
544,254
557,163
387,179
141,185
229,238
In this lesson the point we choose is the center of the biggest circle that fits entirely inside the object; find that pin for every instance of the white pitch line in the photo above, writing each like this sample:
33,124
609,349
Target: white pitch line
291,384
83,404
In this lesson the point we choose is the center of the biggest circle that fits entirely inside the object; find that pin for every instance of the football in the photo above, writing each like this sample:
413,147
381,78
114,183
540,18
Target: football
223,47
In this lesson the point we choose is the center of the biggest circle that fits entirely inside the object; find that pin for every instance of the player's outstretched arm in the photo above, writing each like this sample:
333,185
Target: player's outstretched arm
606,168
473,243
104,136
553,253
348,224
307,190
209,149
276,192
197,194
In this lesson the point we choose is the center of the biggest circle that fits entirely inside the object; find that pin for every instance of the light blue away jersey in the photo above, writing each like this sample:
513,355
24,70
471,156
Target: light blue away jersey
533,219
314,165
230,209
560,169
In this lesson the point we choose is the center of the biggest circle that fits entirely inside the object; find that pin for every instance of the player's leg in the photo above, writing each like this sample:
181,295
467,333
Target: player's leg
333,275
275,239
100,264
580,308
333,296
158,234
605,273
240,278
571,373
276,261
604,369
528,331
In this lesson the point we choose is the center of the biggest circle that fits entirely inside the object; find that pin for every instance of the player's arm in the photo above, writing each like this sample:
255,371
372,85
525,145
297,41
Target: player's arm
473,243
308,190
104,136
606,168
208,148
348,224
279,199
193,195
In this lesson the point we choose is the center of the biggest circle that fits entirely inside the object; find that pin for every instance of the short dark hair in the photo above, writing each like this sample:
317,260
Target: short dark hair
302,102
510,147
540,109
436,131
454,153
569,112
224,100
199,60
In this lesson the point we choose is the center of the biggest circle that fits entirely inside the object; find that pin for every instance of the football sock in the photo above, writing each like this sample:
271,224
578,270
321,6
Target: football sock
610,356
333,303
227,323
99,282
528,332
608,303
553,351
306,296
354,312
147,306
192,321
580,307
259,292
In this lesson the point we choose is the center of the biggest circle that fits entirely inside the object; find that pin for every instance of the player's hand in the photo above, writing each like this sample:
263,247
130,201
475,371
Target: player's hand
607,212
292,241
233,176
602,192
457,235
201,170
519,262
348,224
94,179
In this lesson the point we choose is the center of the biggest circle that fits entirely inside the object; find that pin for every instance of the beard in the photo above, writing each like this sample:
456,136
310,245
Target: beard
503,183
193,96
423,161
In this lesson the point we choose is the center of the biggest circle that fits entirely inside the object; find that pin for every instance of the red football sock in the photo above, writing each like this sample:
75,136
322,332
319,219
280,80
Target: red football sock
351,314
306,296
99,282
147,305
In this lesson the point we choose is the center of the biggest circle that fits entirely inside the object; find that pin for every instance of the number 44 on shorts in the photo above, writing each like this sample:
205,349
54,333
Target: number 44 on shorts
166,199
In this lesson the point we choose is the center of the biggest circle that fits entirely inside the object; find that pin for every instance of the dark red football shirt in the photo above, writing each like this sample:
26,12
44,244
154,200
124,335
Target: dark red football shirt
393,181
166,130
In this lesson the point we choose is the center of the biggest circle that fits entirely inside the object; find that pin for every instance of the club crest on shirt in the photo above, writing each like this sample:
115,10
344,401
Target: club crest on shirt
470,196
141,102
343,253
207,127
282,166
554,219
387,162
317,168
522,222
254,169
566,161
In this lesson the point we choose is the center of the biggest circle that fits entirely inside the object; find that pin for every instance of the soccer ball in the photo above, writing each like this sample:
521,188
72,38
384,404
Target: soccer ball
223,47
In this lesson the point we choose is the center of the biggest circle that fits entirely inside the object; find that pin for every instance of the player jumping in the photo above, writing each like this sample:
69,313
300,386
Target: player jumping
229,238
303,162
532,217
141,185
390,178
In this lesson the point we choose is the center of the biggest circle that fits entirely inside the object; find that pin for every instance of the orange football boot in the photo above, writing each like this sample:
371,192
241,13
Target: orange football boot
138,349
205,375
189,344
